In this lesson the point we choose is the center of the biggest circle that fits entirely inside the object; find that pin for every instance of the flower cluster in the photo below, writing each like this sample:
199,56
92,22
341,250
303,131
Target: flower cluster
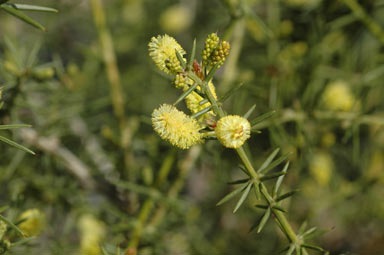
178,128
163,49
338,96
215,52
32,222
232,131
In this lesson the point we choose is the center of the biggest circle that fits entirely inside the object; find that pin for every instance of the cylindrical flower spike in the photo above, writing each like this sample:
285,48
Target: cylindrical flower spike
232,131
176,127
220,53
211,44
162,50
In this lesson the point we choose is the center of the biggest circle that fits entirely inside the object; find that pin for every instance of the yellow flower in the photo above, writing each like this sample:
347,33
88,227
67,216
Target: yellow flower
232,131
321,167
193,100
33,222
92,232
176,19
338,97
176,127
163,49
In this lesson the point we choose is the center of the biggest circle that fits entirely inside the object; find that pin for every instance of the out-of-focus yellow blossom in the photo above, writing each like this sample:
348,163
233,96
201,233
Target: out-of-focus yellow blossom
328,139
92,231
338,97
286,27
289,56
162,50
320,167
376,166
33,222
176,127
232,131
256,31
176,19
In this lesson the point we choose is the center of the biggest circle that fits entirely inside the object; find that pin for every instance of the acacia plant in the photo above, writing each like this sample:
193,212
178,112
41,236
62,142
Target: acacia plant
208,120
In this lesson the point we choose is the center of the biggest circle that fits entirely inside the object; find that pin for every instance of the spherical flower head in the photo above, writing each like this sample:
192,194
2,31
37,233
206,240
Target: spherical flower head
92,232
33,222
176,19
162,50
176,127
321,167
232,131
338,97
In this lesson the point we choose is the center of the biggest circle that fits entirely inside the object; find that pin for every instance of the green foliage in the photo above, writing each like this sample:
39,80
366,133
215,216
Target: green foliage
94,159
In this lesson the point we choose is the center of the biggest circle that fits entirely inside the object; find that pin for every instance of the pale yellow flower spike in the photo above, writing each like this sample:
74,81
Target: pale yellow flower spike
162,50
193,100
176,127
232,131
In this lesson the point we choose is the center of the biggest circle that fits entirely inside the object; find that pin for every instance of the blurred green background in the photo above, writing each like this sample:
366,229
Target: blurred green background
319,64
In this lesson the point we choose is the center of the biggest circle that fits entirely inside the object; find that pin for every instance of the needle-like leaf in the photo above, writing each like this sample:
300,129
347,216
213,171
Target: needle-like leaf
28,7
250,111
181,59
231,92
274,163
239,181
264,220
269,159
286,195
243,197
14,144
231,195
13,226
11,126
192,57
186,93
205,110
279,181
18,14
262,118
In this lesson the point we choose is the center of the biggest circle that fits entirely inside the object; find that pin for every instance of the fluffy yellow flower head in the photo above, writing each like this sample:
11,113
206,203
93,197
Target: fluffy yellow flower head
92,232
176,127
33,222
232,131
338,97
176,19
162,50
321,167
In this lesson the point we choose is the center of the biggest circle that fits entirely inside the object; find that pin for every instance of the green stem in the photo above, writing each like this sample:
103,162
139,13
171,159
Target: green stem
282,220
360,13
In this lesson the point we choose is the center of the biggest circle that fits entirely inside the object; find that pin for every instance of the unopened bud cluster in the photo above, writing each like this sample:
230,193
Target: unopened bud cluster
180,81
215,52
211,44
